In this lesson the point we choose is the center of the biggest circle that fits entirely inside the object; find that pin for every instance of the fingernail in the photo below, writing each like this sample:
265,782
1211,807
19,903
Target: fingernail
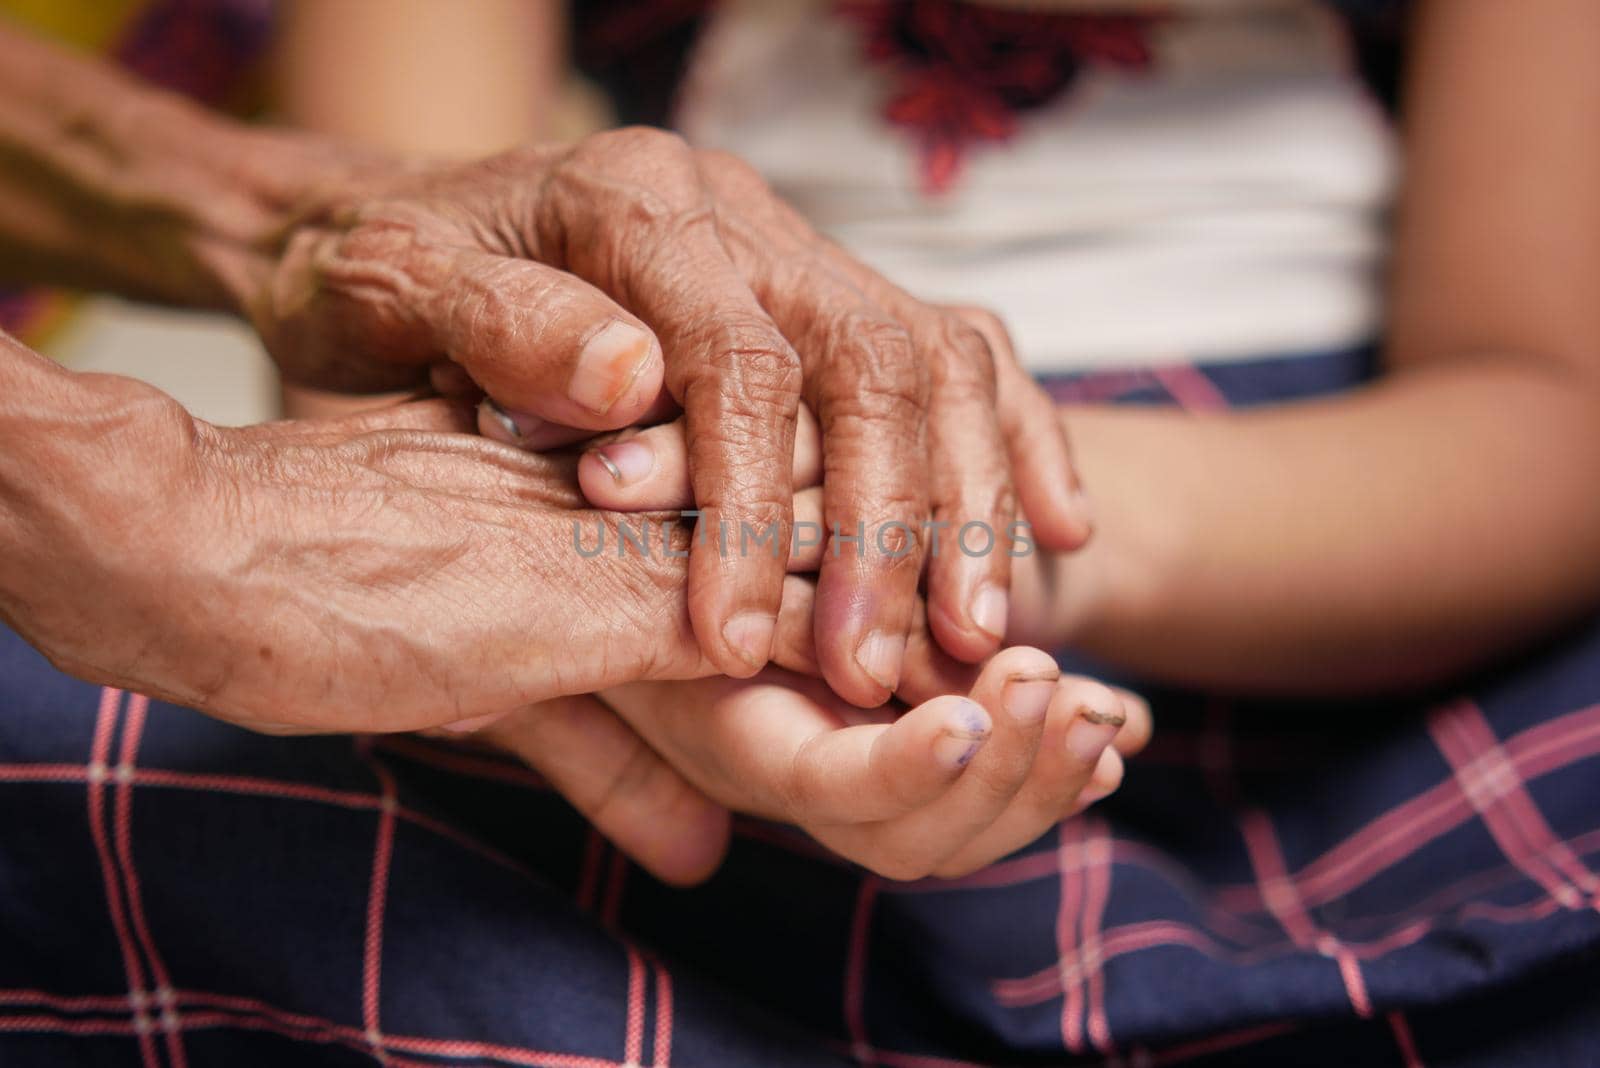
610,361
1091,732
505,426
879,655
750,635
629,462
968,728
1027,697
989,609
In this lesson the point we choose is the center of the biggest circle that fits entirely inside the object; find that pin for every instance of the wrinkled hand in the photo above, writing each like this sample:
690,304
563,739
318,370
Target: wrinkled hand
383,572
687,273
944,789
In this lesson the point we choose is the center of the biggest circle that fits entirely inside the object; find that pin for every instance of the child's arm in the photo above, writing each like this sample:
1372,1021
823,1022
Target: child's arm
1449,513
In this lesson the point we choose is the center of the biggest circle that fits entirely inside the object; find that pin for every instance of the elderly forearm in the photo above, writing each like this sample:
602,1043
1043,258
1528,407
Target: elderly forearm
1383,539
106,183
80,478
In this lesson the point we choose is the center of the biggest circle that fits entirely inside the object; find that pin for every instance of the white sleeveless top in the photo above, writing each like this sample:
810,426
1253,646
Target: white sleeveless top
1228,203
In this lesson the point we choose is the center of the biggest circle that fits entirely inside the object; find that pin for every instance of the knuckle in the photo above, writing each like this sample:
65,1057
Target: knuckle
965,367
731,173
878,353
752,371
633,142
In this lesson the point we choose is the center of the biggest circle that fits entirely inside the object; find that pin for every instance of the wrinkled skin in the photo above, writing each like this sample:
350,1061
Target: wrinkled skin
366,574
701,290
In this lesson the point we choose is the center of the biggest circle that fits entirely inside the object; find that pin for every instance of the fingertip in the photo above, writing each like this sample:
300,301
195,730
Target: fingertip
960,633
612,474
618,372
1060,517
965,728
1017,661
879,656
1135,733
1105,781
524,430
747,637
694,853
505,425
1097,717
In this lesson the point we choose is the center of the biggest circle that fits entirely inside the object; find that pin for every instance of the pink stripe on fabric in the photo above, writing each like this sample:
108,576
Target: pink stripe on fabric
20,773
1395,835
377,898
1191,388
1403,1039
98,770
434,754
1278,891
237,1012
1097,861
1215,1044
1131,938
633,1021
132,732
244,784
1486,779
357,1039
662,1057
63,1003
1068,953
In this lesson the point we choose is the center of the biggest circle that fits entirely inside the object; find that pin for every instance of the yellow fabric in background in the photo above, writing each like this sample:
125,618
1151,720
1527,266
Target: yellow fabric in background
90,25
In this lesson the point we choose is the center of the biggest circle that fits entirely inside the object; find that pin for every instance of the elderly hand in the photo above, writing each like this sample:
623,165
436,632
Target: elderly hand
572,284
366,574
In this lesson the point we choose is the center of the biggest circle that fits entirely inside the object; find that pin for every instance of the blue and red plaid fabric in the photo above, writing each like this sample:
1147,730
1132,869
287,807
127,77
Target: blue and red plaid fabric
1309,884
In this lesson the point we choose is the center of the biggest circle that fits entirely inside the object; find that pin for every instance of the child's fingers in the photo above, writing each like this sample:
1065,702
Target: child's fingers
1016,688
854,775
784,747
1106,781
1084,717
649,470
607,772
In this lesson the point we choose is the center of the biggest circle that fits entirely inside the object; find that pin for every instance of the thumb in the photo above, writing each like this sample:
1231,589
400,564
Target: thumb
546,346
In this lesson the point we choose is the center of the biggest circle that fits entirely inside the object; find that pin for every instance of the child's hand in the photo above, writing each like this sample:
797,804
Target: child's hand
948,787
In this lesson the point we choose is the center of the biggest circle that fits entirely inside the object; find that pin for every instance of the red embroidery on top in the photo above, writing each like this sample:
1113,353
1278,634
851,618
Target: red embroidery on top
963,71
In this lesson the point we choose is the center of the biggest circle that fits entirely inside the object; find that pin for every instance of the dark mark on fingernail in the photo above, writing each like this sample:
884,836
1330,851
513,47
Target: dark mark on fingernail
1094,715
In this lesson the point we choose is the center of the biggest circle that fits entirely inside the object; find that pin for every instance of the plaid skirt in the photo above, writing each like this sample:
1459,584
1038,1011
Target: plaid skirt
1310,884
